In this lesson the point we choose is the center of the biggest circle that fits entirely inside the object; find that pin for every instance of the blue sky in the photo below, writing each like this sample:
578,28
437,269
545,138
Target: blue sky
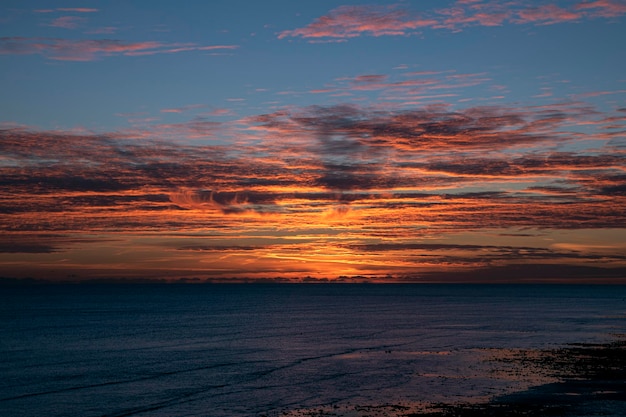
271,110
50,92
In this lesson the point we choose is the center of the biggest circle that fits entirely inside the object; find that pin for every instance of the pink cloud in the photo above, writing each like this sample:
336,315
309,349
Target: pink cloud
67,22
604,8
598,93
220,112
547,15
78,9
457,17
352,21
106,30
213,47
405,89
184,108
370,78
91,49
67,9
180,48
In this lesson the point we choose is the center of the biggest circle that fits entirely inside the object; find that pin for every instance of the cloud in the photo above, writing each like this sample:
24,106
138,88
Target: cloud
199,127
370,78
78,9
352,21
89,50
67,22
184,108
603,8
344,190
13,247
446,252
355,147
106,30
218,248
525,273
68,9
455,18
412,89
553,163
348,130
42,243
228,202
547,15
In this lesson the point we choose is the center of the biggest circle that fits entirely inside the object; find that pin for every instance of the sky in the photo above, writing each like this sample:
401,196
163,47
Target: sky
232,140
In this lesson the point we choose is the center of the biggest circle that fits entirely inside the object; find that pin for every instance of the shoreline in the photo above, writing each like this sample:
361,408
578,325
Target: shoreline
589,380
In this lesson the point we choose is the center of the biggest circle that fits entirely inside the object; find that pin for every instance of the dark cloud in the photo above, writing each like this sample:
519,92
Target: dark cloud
218,248
377,247
524,273
350,130
44,243
14,247
354,144
576,175
228,202
615,190
490,167
487,253
40,182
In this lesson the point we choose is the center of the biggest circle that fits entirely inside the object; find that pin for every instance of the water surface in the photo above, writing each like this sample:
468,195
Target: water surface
245,350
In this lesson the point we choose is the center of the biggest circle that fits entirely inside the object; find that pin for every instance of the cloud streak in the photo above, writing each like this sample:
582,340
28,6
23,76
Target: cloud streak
68,9
67,22
93,49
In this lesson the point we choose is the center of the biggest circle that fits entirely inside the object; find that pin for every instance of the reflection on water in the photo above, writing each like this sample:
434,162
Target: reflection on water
241,350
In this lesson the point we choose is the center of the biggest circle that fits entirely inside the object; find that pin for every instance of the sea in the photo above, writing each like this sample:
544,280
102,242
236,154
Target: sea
279,349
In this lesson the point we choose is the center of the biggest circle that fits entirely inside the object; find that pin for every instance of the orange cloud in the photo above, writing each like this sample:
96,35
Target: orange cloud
347,190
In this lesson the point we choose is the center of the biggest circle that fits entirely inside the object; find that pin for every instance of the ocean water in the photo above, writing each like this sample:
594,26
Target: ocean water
252,350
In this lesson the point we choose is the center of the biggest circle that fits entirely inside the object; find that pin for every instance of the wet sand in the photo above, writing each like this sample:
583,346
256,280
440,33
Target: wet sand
589,380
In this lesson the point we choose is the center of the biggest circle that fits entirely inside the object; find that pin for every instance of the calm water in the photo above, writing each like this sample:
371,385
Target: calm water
245,350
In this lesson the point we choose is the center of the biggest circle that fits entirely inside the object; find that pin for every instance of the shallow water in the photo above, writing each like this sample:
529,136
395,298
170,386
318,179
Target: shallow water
245,350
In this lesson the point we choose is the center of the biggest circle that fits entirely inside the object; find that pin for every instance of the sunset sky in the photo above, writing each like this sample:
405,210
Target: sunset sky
426,140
